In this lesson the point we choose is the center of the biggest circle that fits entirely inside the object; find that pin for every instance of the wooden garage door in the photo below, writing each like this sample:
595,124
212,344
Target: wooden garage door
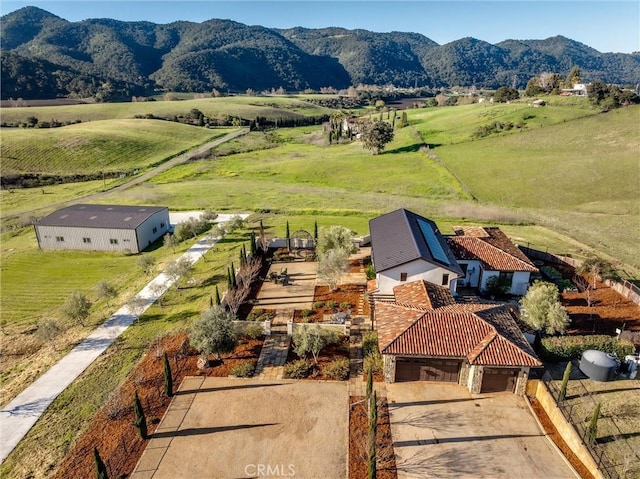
499,379
445,370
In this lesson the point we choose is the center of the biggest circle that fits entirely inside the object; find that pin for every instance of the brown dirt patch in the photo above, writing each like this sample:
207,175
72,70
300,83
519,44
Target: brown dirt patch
345,294
111,429
358,427
550,429
326,357
609,310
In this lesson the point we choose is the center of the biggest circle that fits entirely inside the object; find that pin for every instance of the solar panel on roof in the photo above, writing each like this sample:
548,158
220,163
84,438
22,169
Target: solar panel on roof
432,242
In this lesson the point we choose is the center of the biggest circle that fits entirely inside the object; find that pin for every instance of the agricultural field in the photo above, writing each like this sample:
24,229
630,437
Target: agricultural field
246,107
90,148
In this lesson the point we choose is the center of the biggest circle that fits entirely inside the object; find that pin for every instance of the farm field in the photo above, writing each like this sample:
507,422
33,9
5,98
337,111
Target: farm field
107,145
237,106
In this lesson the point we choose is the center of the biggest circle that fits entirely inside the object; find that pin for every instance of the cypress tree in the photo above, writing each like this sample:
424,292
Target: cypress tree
168,378
287,235
592,428
140,420
252,246
315,230
210,301
229,280
565,382
218,300
373,428
234,282
241,256
369,388
101,469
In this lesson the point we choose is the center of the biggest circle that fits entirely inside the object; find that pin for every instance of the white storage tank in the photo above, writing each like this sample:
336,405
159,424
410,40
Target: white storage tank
598,365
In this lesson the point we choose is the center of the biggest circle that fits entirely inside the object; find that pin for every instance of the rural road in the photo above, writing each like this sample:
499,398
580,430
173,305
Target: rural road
178,160
19,416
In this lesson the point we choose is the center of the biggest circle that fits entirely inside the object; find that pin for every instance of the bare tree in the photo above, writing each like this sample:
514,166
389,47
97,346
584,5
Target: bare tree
597,268
170,241
235,297
137,305
249,271
158,289
48,331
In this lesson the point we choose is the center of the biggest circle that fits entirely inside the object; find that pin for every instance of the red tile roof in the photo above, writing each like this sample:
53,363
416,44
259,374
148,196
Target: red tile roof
491,247
484,334
426,294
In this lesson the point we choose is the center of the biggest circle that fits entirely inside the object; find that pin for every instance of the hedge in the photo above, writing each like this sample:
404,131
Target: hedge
572,347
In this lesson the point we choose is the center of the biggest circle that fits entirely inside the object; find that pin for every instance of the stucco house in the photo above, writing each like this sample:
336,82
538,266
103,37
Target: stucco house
486,252
103,227
424,335
406,247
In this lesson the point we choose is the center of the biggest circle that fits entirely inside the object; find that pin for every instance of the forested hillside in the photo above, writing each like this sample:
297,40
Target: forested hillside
44,56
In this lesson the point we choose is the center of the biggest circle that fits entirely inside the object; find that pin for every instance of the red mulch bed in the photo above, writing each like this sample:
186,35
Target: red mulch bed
550,429
348,293
609,311
117,440
358,427
326,356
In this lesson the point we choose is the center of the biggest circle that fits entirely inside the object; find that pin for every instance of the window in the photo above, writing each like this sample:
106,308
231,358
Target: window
445,280
161,225
155,230
86,240
60,239
464,267
506,277
403,276
113,241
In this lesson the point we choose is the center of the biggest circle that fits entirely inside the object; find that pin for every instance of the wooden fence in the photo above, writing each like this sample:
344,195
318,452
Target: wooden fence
625,288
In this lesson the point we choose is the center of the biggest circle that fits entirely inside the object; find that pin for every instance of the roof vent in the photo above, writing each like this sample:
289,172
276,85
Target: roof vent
63,217
127,218
92,217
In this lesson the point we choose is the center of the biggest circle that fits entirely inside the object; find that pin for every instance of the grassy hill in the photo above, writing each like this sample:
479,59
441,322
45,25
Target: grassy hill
84,148
246,107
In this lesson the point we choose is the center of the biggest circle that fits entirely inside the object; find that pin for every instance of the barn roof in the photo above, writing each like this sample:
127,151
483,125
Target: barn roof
100,216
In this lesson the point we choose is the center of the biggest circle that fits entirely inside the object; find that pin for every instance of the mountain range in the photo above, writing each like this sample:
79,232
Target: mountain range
45,56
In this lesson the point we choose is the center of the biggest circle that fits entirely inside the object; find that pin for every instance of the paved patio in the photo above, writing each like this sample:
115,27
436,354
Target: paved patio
441,431
298,294
230,428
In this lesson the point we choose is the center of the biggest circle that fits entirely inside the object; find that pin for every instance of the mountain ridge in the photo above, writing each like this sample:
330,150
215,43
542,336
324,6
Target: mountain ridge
136,58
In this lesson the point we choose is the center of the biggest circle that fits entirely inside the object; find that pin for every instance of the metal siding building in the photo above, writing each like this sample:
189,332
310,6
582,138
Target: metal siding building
103,227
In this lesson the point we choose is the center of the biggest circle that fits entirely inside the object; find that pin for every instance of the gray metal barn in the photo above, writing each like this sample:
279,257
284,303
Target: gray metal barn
103,227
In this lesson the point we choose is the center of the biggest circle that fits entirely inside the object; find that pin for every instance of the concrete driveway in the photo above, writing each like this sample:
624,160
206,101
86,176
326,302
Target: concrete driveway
441,431
246,428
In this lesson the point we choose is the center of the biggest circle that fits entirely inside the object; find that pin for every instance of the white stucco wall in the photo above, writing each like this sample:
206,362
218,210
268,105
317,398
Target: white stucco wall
416,270
473,273
519,284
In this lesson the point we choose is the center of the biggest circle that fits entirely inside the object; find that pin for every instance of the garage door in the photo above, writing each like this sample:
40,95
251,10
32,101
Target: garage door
445,370
499,379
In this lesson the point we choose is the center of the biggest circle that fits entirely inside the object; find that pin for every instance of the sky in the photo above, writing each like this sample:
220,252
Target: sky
607,26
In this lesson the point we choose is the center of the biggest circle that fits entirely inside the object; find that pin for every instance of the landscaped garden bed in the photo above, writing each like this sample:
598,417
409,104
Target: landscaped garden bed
112,432
345,299
329,366
358,446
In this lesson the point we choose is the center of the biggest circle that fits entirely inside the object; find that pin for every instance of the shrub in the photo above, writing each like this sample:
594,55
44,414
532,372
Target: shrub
374,362
338,369
318,305
331,304
370,271
253,331
571,347
306,313
299,369
244,369
369,343
345,305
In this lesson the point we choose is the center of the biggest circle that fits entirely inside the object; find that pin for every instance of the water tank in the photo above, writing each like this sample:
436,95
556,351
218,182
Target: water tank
598,365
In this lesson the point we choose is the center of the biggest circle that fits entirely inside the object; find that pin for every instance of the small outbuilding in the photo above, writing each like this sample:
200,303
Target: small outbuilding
103,227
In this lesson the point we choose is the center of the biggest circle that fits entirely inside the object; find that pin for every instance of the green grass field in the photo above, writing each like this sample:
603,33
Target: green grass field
246,107
109,145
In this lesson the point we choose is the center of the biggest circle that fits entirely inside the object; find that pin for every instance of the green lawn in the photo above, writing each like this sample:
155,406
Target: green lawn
109,145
